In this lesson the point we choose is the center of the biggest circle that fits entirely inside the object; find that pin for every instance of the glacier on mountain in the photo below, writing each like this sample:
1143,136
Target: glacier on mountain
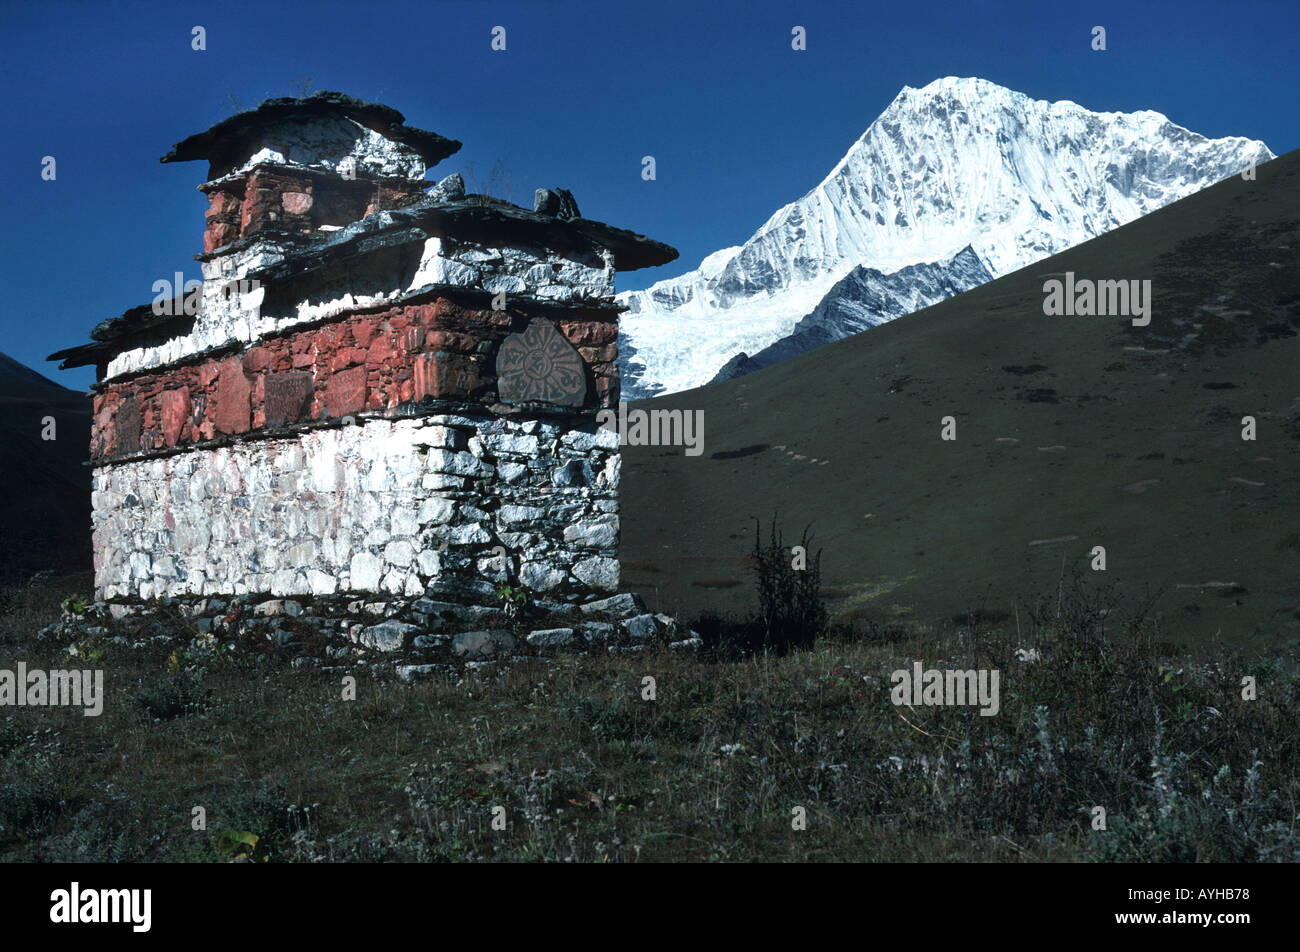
864,298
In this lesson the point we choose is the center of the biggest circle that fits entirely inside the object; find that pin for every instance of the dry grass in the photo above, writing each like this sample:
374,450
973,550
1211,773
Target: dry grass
587,770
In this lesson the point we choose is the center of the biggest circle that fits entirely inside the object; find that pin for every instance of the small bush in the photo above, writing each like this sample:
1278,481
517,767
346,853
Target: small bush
32,797
791,608
264,810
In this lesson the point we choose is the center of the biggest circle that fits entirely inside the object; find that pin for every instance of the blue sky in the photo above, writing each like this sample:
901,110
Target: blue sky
738,122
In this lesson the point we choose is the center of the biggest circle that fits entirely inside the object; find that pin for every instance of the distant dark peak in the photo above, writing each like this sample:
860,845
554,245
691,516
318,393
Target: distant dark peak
13,370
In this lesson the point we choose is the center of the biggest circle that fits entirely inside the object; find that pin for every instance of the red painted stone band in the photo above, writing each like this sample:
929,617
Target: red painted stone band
365,362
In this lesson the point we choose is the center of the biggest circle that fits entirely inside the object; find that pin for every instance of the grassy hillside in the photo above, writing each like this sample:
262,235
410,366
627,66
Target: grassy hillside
45,506
1071,432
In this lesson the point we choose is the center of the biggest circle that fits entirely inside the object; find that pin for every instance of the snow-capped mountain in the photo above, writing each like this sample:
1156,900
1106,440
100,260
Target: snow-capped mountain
959,163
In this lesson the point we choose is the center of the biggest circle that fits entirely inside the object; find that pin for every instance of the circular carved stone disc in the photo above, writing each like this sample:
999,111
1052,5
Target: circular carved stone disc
539,364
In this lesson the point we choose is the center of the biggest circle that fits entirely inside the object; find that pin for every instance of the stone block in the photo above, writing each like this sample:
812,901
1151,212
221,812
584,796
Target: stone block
649,627
287,398
257,360
419,672
599,533
552,638
623,605
538,364
540,576
175,405
127,427
386,636
442,375
482,645
231,413
346,392
365,570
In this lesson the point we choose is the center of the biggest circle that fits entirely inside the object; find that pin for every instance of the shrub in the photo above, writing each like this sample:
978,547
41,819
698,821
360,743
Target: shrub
34,796
262,810
791,608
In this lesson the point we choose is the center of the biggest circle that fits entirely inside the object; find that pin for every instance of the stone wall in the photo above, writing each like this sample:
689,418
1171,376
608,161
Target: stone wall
229,317
533,271
390,506
374,361
293,199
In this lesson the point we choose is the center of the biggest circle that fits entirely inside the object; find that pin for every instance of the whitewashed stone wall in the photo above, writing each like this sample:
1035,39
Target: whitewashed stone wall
228,316
337,144
535,271
381,506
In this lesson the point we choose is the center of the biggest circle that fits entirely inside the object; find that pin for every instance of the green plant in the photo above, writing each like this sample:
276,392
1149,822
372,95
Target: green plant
1167,674
36,794
89,651
74,608
789,582
205,651
262,822
239,845
513,601
90,648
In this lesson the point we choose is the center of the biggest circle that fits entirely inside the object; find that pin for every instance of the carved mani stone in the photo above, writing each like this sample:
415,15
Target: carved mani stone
346,392
539,364
127,424
288,397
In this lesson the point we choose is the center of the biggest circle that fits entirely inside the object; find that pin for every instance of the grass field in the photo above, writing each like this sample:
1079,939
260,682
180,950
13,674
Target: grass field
587,769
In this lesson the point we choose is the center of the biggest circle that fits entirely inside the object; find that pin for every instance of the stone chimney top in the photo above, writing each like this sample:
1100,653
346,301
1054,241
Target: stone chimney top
306,165
323,131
